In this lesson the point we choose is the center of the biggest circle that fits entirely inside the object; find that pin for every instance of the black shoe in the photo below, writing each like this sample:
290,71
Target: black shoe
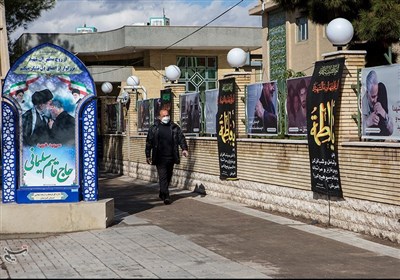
161,196
167,201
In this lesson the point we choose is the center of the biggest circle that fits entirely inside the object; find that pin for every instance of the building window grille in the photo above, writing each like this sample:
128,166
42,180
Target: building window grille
198,73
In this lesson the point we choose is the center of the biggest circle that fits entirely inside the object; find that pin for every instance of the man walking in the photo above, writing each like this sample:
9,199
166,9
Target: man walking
162,150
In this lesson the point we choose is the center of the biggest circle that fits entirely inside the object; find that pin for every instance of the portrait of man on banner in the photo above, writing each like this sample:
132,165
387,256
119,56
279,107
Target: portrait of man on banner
262,109
296,105
144,120
44,81
156,107
190,108
49,130
380,102
211,109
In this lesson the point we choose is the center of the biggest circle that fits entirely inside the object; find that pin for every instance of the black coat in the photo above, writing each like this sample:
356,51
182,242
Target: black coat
152,142
382,98
63,129
40,133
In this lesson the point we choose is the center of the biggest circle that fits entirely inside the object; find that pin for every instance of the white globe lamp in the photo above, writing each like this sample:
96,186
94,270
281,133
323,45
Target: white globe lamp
133,81
236,58
339,31
172,72
106,87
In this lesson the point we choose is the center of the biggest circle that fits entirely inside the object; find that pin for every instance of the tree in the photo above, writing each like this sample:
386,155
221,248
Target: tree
376,22
20,13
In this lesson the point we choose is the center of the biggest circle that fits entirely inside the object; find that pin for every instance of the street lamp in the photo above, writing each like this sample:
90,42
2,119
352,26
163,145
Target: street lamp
106,87
133,83
236,58
172,73
339,32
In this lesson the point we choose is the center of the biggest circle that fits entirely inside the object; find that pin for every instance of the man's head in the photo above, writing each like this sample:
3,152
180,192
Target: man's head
372,88
76,93
56,107
268,90
302,91
19,95
41,100
164,116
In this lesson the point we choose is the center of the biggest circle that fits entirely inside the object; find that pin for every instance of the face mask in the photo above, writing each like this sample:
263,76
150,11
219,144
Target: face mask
165,119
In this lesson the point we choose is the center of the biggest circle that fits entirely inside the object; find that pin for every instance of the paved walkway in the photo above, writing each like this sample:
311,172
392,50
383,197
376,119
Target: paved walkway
197,236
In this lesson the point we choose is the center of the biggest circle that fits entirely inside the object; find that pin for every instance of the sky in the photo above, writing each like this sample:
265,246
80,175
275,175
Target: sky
108,15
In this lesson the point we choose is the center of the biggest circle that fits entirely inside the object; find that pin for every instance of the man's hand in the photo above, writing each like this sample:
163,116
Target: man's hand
378,109
185,153
259,110
50,123
148,160
373,119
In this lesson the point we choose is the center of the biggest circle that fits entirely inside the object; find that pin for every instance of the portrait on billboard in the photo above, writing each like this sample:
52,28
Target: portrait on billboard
112,118
155,108
211,110
144,120
296,105
380,102
190,117
261,108
47,85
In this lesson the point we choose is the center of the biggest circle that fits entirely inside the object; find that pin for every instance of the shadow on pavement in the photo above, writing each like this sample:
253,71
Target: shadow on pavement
133,196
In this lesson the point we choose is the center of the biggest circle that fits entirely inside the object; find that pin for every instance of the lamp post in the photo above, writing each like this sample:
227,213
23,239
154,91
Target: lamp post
133,82
236,58
339,32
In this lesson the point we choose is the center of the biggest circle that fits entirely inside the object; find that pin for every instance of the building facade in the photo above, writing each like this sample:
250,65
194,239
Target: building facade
291,40
202,58
273,172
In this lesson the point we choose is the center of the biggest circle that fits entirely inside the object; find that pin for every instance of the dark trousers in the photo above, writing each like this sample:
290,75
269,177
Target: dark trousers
165,169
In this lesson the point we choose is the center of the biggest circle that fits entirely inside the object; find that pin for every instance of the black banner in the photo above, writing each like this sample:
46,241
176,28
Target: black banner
226,129
322,100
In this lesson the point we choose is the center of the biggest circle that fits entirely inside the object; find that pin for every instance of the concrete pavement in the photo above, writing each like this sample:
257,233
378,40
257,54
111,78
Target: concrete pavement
197,236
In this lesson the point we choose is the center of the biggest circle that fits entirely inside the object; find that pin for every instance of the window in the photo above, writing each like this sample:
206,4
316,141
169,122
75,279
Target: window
302,29
157,22
198,73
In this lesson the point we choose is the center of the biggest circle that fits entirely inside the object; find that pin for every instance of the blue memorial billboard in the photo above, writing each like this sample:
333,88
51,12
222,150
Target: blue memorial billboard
45,94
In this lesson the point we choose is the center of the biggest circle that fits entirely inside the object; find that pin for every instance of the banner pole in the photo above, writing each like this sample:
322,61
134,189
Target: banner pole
329,209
